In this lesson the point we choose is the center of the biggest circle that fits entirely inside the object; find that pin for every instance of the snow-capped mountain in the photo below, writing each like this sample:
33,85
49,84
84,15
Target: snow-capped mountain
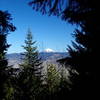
48,50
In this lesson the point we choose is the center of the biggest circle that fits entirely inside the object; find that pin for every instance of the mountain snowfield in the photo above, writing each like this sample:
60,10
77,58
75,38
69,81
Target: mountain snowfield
49,50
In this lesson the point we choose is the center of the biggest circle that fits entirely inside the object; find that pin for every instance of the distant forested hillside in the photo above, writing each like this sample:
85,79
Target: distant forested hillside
16,58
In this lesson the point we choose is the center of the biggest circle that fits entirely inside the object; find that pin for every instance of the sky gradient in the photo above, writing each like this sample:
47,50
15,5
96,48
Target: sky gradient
49,32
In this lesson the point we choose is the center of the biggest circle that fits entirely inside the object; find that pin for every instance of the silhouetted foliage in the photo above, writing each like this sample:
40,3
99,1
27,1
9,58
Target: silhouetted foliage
50,7
5,28
72,10
83,57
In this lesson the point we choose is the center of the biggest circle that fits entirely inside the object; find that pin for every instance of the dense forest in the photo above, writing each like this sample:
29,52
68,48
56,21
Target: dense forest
28,82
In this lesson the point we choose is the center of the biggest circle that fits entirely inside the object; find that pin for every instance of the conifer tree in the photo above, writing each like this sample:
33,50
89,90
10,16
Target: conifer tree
52,82
53,78
31,53
5,28
30,77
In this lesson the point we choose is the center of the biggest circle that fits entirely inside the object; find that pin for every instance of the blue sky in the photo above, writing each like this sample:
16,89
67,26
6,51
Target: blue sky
49,32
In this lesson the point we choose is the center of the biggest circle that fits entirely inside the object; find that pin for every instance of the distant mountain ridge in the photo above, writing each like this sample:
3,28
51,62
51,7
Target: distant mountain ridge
16,58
